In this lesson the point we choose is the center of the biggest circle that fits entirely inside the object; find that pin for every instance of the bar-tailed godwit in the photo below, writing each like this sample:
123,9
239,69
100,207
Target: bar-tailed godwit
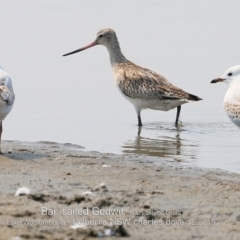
142,87
7,98
231,102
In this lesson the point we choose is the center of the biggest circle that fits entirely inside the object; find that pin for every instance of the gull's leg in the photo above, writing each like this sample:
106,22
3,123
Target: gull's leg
1,137
178,114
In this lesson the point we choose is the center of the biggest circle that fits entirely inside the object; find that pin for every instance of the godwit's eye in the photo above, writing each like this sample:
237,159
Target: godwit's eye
230,74
101,36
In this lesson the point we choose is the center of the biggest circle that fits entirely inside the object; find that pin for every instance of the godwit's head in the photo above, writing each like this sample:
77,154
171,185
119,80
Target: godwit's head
106,37
232,75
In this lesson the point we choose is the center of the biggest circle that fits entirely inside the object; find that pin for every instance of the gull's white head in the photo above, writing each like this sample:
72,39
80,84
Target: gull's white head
230,76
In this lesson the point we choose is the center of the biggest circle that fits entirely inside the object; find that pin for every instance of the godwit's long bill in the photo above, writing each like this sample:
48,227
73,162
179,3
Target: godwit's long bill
142,87
231,102
7,98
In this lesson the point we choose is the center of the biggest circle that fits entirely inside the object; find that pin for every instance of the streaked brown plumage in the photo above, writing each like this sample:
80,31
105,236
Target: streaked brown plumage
138,82
142,87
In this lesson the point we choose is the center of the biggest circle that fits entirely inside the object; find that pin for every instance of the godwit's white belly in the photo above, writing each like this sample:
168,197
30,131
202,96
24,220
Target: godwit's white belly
164,105
154,104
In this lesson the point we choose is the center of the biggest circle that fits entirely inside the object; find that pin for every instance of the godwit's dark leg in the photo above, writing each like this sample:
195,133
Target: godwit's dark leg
139,120
178,114
138,111
1,136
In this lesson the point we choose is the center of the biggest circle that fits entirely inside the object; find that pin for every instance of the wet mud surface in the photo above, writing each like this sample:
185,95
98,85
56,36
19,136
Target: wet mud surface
88,195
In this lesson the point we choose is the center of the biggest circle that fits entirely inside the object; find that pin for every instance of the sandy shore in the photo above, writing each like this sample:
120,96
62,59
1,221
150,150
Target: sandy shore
84,195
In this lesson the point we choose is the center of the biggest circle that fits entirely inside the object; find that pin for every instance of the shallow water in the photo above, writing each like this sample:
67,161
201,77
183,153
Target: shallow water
202,144
74,99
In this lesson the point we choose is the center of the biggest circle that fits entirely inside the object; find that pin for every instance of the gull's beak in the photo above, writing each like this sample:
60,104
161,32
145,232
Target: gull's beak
216,80
83,48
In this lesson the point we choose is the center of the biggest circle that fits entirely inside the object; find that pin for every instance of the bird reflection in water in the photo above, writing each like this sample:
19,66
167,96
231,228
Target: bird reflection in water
176,148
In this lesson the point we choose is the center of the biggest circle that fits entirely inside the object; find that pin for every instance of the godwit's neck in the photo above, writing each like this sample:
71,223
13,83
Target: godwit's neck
115,53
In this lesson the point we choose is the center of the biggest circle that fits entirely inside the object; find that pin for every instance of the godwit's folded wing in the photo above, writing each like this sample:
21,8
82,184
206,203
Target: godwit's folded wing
142,83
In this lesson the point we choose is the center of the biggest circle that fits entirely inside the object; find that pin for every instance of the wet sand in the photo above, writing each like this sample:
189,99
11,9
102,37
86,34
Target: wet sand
112,196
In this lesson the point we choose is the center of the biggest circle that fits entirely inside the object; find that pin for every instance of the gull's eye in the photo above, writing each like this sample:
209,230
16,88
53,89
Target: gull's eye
101,36
230,74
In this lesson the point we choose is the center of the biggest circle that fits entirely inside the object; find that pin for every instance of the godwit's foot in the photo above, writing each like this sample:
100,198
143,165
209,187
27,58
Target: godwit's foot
139,131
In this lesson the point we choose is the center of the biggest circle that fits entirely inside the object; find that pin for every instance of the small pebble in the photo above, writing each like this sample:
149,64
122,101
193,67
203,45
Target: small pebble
104,165
22,191
78,225
102,185
88,193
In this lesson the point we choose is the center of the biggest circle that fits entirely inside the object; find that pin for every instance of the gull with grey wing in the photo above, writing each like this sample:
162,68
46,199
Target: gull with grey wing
7,98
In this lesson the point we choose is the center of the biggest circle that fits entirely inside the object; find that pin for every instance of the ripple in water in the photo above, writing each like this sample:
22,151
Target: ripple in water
210,145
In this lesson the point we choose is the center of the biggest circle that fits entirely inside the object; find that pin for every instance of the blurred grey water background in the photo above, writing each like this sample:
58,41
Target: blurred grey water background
74,99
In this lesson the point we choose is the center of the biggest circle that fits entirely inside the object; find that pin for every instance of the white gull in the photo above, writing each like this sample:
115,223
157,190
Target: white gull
7,98
231,102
